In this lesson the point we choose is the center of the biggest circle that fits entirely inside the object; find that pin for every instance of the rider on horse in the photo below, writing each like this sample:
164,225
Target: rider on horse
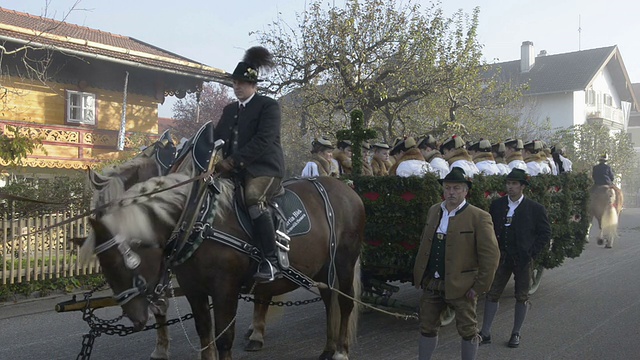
252,152
602,173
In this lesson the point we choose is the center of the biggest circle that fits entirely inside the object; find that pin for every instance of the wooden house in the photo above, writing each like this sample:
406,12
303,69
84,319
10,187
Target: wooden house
73,87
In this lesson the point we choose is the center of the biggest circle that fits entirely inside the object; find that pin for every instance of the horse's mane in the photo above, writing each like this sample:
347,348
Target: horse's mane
135,216
114,187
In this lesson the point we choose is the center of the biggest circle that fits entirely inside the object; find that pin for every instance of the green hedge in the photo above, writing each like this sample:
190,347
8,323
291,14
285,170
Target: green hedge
397,208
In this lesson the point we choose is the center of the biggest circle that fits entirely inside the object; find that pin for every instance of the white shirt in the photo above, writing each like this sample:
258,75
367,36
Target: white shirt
513,205
504,169
488,167
413,168
469,167
440,166
566,163
537,168
552,163
246,101
310,170
518,164
446,214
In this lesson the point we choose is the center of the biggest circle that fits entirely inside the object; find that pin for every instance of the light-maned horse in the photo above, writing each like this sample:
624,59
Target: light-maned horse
111,184
605,205
143,225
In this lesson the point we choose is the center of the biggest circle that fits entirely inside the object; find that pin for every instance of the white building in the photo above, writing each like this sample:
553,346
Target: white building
573,88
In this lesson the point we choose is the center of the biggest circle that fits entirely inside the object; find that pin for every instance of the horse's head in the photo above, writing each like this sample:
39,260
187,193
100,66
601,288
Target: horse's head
129,241
134,270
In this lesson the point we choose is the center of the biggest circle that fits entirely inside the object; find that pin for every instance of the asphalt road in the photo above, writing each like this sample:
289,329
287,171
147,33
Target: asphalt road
588,309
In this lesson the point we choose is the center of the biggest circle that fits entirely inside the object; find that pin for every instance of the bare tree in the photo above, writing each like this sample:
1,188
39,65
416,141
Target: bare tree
197,109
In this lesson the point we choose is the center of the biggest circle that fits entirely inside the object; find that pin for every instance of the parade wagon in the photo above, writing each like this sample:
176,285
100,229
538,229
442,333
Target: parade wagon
396,210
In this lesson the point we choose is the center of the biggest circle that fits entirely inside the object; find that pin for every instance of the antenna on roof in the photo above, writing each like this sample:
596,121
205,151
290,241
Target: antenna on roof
579,34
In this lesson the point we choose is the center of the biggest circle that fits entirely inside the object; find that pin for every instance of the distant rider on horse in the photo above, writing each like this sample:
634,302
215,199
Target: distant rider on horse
602,173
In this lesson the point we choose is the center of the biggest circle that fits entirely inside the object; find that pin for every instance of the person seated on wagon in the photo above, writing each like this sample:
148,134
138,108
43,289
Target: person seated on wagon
480,151
547,153
498,150
562,163
513,154
320,164
411,163
396,150
366,159
343,156
380,163
535,159
457,156
429,148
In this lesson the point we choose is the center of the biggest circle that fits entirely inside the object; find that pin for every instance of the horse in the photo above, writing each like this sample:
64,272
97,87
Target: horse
153,161
130,241
605,204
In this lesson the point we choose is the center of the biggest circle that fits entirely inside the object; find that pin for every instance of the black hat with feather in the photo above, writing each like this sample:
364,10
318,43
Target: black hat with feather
255,58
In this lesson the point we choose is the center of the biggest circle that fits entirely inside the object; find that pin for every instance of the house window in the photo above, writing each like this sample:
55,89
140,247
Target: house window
590,97
608,100
81,108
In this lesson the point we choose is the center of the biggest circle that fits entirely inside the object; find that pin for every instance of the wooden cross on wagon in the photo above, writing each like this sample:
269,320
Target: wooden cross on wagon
358,135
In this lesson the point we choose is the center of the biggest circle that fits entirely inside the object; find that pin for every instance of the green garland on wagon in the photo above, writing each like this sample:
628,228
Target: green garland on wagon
397,207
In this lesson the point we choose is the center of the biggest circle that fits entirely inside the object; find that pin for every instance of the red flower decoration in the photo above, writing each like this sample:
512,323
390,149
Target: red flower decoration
408,196
407,245
373,196
374,243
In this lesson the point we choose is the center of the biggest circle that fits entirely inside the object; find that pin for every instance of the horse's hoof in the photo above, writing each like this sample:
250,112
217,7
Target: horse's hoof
608,247
326,356
600,241
253,345
247,335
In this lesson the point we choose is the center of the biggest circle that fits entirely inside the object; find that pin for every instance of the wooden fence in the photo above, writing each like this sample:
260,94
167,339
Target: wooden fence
29,253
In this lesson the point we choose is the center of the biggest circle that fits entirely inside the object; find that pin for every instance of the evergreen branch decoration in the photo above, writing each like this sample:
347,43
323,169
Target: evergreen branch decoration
358,135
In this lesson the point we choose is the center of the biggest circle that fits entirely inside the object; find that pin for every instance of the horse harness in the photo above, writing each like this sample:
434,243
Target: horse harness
132,262
184,241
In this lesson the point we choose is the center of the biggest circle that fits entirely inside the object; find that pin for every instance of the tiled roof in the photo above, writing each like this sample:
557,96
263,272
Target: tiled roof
25,27
557,73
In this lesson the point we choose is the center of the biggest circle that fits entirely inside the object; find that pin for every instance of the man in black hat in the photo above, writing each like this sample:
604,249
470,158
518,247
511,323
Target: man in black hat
602,173
455,263
523,231
252,152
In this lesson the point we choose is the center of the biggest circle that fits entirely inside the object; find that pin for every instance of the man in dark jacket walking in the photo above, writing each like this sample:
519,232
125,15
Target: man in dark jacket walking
252,152
522,228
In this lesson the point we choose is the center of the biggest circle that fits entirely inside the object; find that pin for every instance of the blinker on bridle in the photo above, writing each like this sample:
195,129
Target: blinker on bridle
132,262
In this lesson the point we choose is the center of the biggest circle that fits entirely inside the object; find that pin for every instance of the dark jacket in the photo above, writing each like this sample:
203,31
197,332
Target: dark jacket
602,174
530,222
259,151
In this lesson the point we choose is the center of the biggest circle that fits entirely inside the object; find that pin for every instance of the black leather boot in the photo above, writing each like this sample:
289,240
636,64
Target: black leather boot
264,234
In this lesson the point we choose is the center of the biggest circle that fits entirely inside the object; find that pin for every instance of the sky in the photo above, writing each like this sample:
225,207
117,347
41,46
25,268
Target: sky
217,33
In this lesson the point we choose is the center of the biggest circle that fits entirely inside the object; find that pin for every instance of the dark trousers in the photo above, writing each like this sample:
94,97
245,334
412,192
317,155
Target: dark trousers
522,276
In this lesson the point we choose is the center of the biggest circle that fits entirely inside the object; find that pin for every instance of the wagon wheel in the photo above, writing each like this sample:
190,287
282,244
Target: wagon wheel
447,316
536,276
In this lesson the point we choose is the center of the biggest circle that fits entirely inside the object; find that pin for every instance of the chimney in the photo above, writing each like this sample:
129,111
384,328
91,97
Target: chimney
542,53
527,56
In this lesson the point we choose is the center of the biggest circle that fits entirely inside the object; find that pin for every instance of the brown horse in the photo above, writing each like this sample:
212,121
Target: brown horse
111,185
605,205
131,238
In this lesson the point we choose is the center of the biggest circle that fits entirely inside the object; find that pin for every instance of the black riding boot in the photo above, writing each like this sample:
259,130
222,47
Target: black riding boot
264,234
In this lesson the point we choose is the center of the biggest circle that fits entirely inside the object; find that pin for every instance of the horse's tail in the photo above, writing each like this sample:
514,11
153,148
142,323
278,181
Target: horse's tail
352,328
609,223
336,314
